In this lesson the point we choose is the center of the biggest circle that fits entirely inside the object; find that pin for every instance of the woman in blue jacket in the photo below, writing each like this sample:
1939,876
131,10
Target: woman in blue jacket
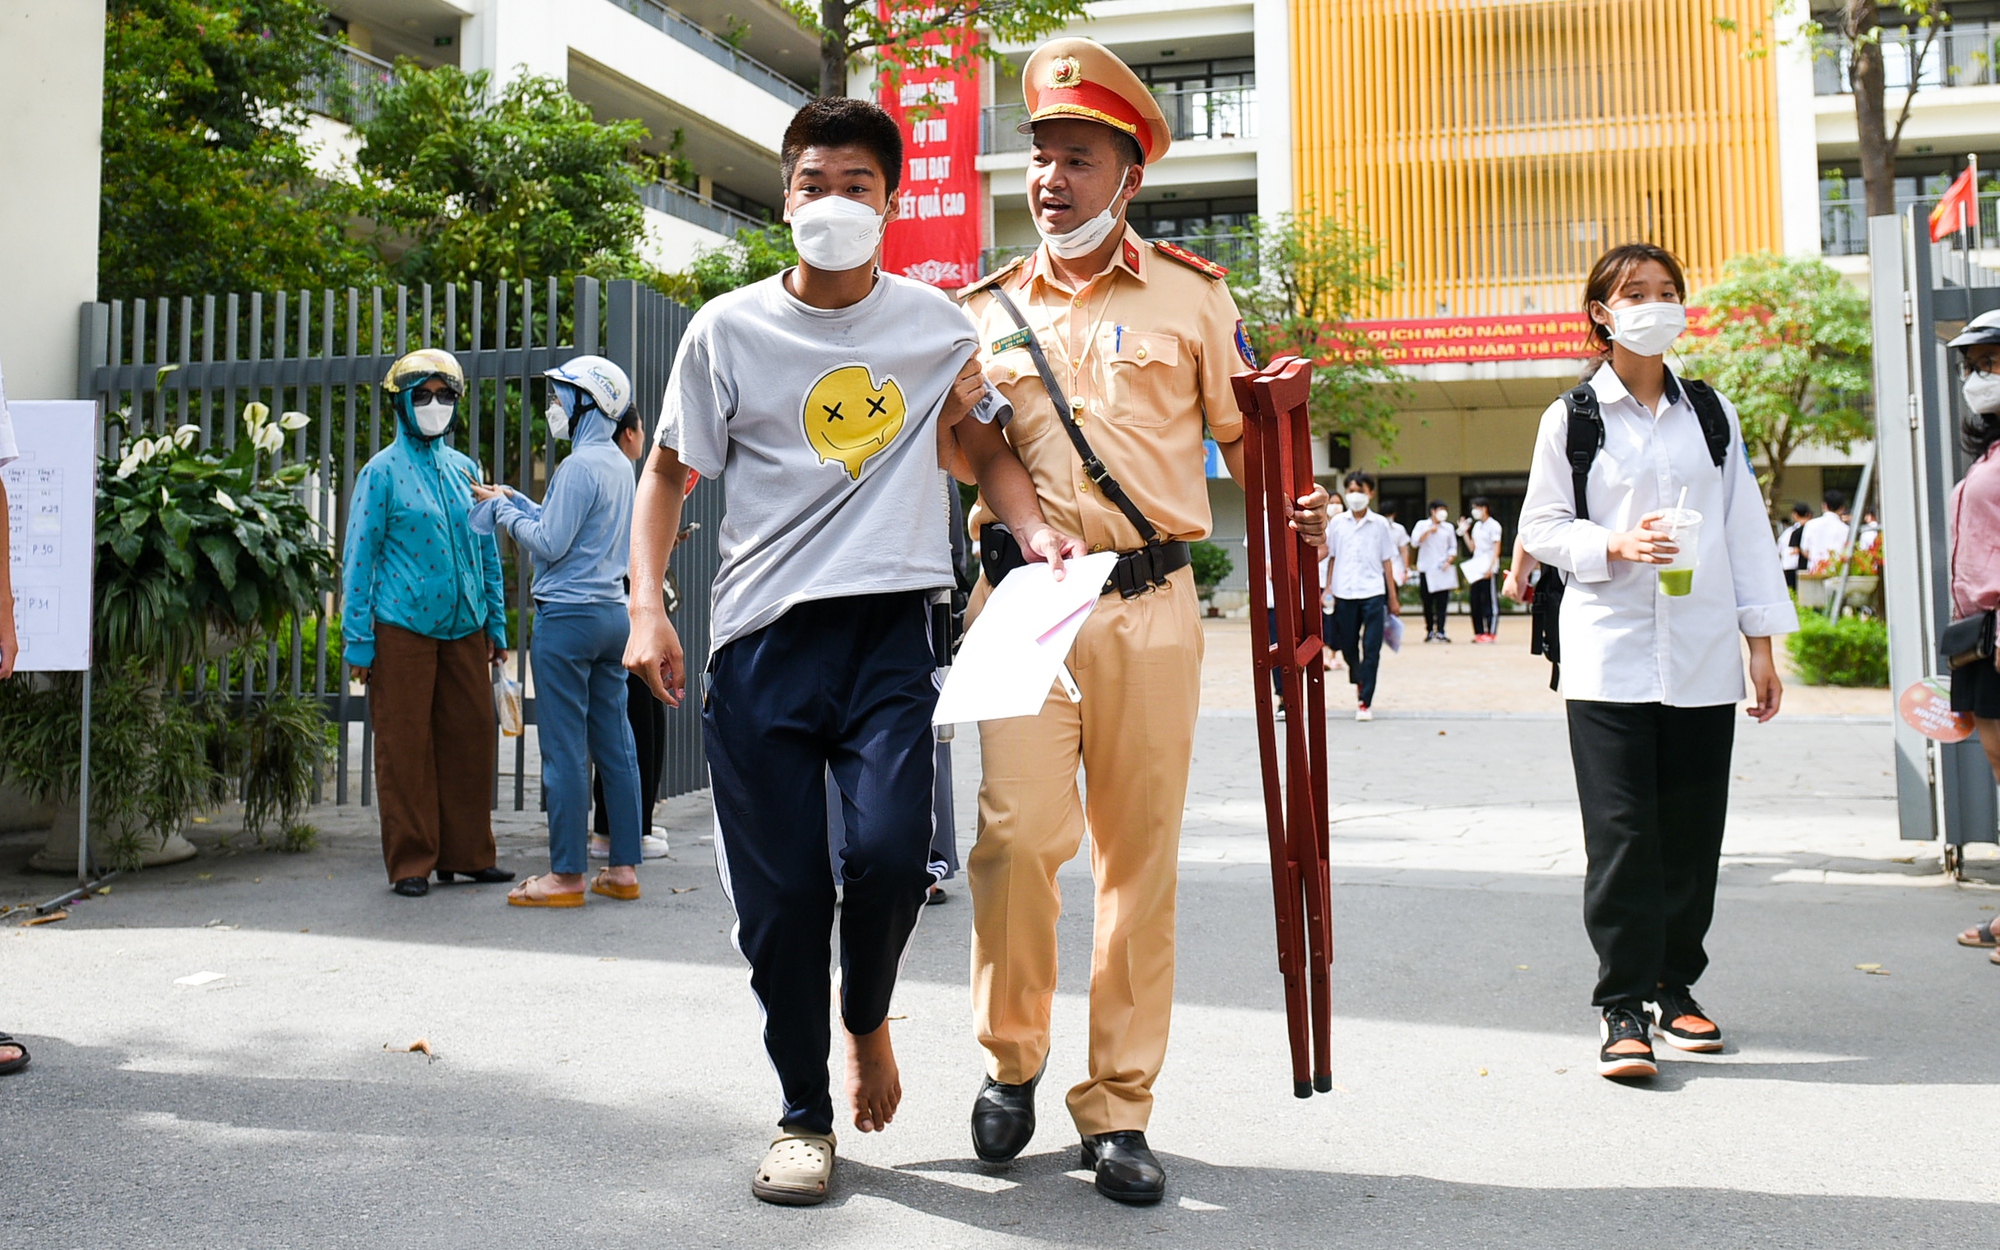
421,619
579,535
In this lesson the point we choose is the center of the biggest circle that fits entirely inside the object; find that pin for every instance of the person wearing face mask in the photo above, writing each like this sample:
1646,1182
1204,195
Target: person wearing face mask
1437,568
1115,355
1649,666
1974,521
579,536
1482,537
826,398
1361,581
423,615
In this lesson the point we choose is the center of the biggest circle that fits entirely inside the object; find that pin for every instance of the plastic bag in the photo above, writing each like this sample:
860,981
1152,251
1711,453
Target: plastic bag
507,702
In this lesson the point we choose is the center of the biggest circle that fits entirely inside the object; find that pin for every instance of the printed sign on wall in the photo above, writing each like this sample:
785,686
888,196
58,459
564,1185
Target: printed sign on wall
935,237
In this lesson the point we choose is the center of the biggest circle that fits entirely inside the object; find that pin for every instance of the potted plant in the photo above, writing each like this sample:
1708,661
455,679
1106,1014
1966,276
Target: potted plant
195,548
1210,564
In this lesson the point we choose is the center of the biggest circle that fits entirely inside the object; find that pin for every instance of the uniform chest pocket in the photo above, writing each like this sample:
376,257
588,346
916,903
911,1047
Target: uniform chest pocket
1146,380
1013,374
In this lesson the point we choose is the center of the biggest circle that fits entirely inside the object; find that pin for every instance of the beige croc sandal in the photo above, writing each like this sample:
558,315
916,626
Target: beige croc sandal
795,1170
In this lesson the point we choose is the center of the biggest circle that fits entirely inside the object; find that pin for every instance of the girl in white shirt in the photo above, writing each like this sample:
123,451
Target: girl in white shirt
1651,678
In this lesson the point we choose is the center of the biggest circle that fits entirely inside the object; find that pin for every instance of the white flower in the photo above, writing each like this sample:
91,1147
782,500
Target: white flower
184,436
256,414
269,439
164,501
222,497
295,420
126,468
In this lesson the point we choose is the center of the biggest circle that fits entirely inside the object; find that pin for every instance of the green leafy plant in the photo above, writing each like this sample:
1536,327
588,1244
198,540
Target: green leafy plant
1211,564
1852,651
906,35
1787,339
272,751
753,255
1312,276
194,544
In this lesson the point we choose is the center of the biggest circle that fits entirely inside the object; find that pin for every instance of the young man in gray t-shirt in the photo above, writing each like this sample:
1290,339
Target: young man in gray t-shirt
825,400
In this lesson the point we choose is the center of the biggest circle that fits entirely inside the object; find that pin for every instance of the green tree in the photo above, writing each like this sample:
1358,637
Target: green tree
1313,275
1787,340
751,256
921,34
516,183
1850,32
207,184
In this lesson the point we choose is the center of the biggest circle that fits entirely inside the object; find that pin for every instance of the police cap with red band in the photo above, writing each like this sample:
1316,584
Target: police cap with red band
1082,78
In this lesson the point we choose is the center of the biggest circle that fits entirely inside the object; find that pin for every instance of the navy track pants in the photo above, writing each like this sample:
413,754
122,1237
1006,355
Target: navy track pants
847,685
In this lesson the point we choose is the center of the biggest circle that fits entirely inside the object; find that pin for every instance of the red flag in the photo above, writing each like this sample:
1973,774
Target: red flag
1956,208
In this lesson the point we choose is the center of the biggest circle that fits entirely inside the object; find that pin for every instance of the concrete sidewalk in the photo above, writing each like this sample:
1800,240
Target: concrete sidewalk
598,1075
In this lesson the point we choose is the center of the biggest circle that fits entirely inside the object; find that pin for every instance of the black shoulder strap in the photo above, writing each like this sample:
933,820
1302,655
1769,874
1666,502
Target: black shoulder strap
1092,466
1586,435
1714,422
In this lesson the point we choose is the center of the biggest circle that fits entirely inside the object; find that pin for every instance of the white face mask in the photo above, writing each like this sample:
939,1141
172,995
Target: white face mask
558,418
1089,236
1982,392
1648,329
1357,501
1479,514
834,233
432,418
1440,516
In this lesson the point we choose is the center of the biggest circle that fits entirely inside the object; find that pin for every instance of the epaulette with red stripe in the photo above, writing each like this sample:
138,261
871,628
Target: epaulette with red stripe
998,275
1200,264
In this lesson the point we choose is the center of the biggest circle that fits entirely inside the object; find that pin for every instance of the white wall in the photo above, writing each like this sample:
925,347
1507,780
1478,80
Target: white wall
51,119
1798,153
1274,108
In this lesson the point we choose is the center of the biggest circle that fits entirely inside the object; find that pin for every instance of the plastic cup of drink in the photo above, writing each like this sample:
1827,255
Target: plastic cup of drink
1677,575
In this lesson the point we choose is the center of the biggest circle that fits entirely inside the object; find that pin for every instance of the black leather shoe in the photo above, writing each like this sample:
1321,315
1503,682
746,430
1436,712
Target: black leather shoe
483,876
1125,1167
1003,1118
412,887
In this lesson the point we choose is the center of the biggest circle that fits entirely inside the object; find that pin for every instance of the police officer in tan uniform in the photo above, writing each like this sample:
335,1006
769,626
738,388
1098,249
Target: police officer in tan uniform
1140,339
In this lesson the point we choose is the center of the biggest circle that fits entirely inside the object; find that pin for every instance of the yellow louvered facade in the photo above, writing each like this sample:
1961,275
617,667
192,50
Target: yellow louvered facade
1494,150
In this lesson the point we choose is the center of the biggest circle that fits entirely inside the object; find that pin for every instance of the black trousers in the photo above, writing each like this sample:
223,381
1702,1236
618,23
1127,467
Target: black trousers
846,685
1355,630
649,735
1437,609
1485,606
1653,782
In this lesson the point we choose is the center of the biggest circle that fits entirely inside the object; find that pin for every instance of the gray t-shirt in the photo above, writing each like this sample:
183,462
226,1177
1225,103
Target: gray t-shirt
822,424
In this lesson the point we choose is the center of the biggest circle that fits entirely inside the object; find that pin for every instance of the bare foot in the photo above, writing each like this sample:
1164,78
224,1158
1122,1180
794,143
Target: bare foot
548,884
10,1053
874,1085
618,874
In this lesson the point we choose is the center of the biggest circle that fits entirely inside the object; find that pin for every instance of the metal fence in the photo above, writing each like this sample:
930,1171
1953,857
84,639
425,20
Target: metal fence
1963,54
1843,224
349,93
672,22
155,365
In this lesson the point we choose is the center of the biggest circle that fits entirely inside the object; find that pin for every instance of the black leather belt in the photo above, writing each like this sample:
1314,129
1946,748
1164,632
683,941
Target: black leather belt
1136,572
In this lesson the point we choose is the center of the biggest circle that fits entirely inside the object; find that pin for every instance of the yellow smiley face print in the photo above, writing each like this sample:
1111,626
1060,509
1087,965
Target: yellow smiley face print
848,418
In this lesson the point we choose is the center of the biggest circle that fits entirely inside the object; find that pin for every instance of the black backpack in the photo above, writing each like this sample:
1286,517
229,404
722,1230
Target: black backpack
1586,435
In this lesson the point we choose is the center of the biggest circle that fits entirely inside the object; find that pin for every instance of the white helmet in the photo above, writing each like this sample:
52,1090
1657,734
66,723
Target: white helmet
606,384
1983,329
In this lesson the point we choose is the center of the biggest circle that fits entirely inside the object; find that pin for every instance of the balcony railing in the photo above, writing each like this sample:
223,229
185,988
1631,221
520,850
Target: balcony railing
1232,250
1963,55
348,94
716,49
1843,224
1194,113
677,201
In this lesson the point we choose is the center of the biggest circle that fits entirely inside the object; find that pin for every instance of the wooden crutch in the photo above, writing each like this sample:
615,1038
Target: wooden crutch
1277,464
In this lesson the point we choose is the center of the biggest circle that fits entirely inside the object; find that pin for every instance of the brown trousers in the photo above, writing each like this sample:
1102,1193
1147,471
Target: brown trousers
432,705
1138,664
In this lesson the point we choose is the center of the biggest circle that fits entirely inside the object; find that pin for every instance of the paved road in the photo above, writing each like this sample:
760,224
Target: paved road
597,1078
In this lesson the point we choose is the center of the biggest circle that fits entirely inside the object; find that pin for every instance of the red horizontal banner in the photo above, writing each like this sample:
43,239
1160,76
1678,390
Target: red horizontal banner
1462,340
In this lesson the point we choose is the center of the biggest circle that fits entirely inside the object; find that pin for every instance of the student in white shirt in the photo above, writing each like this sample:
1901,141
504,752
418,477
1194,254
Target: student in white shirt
1437,565
1791,555
1361,580
1824,535
1402,536
1482,534
1651,679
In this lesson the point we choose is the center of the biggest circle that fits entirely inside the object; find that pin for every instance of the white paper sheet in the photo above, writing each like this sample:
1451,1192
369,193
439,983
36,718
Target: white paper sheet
1392,632
1011,655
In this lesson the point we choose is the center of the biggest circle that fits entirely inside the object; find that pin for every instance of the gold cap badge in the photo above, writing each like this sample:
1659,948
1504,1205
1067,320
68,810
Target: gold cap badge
1065,71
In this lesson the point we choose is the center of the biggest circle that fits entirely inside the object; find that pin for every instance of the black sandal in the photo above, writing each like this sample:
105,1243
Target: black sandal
1985,932
481,876
13,1065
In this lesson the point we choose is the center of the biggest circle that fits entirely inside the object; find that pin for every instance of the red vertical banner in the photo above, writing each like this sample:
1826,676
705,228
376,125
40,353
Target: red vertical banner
935,237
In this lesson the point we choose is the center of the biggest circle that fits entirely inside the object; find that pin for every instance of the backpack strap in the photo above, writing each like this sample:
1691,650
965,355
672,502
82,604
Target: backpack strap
1714,421
1586,435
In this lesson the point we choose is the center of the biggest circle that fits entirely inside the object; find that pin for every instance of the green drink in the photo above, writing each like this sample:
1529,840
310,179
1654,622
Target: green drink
1676,581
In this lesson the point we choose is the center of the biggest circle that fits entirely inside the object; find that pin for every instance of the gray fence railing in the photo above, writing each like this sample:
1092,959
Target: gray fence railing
349,93
155,365
679,26
677,201
1191,113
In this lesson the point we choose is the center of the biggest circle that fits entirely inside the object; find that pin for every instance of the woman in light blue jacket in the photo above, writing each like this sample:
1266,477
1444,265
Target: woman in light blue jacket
579,535
422,616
